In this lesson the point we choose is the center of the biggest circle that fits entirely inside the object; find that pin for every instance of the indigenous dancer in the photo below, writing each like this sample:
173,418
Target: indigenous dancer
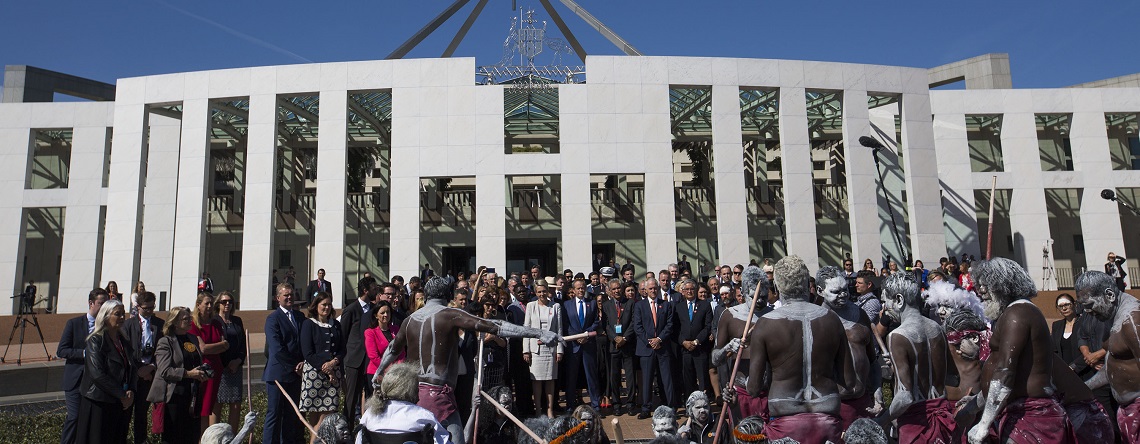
430,337
1098,293
833,287
1017,378
918,350
730,328
804,346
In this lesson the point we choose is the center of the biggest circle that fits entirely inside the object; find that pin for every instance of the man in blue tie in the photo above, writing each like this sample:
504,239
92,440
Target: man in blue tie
283,346
581,316
694,324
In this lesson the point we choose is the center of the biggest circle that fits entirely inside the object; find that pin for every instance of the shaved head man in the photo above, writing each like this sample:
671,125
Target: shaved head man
918,349
430,337
1017,379
860,343
805,347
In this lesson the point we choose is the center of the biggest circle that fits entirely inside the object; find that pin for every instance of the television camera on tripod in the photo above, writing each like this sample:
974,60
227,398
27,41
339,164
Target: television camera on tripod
25,309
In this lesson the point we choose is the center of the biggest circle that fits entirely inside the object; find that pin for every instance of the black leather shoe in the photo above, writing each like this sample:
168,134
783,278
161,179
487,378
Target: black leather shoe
643,415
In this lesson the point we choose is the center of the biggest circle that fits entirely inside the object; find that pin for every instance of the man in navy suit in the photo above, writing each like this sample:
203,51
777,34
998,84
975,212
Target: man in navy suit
694,324
653,324
143,331
580,315
71,347
283,345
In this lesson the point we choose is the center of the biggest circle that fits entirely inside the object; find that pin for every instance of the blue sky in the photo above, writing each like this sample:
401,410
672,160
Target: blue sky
1051,43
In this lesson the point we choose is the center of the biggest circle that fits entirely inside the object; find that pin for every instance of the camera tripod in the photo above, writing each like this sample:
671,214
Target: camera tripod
21,324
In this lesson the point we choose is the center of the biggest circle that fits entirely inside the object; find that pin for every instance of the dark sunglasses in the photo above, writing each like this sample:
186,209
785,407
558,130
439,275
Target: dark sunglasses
225,302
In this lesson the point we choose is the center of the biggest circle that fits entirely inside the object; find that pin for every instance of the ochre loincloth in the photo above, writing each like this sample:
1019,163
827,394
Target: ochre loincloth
438,399
805,427
1128,419
751,406
929,421
852,409
1090,422
1034,421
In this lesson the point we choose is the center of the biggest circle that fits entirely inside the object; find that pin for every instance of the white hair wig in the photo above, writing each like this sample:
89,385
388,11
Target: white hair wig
945,293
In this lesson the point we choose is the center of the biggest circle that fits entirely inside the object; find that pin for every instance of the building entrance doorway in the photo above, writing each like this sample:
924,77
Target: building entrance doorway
456,259
523,254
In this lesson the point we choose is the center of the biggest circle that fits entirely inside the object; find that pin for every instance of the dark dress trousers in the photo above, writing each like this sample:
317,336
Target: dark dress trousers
619,316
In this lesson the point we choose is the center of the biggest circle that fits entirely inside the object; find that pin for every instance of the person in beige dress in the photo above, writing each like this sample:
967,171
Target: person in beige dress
543,359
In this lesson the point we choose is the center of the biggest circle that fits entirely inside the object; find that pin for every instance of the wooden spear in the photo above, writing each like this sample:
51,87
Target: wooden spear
512,417
736,364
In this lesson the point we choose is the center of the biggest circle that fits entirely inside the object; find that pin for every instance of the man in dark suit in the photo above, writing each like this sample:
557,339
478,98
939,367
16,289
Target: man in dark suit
653,324
316,285
580,315
71,347
694,322
353,321
283,347
617,311
143,332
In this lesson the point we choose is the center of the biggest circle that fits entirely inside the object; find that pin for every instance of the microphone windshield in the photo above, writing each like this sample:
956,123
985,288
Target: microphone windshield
1107,194
870,142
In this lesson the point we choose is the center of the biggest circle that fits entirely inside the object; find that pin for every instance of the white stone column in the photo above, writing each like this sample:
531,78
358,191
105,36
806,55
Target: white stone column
77,273
924,208
260,198
862,180
121,237
160,202
1028,215
574,160
960,218
490,181
799,198
12,220
728,167
1100,218
190,218
329,225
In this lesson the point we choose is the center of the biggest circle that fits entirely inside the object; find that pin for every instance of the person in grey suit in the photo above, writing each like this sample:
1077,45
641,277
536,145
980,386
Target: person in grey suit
353,321
71,347
143,332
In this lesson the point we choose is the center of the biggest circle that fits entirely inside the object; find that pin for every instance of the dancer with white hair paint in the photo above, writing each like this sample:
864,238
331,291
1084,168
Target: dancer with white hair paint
943,297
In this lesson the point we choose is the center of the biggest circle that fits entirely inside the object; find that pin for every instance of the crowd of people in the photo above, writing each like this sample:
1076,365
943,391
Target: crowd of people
760,353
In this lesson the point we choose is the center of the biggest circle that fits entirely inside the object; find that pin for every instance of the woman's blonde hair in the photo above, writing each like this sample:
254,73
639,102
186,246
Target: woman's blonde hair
171,316
197,302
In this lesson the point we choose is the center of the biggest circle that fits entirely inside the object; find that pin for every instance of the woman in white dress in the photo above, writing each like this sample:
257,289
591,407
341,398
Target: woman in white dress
543,314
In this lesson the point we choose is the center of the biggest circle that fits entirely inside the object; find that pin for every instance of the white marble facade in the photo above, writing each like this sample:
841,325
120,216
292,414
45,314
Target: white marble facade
444,125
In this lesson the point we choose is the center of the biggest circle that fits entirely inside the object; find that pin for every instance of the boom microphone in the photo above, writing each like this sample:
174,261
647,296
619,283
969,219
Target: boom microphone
870,142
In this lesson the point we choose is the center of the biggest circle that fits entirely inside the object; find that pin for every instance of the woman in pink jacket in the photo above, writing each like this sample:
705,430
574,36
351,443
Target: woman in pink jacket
381,331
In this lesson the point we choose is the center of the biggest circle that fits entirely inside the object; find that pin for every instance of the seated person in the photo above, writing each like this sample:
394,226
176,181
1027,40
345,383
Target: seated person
392,416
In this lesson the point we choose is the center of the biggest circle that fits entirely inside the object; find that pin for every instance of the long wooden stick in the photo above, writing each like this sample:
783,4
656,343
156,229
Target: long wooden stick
512,417
736,365
619,437
248,382
990,230
478,385
295,409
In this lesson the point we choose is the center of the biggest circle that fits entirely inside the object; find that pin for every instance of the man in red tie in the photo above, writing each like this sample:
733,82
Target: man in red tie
653,324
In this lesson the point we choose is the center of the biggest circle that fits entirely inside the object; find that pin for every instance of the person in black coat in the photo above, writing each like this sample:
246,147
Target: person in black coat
654,325
108,385
283,365
143,331
71,346
315,286
694,321
1065,335
617,311
353,321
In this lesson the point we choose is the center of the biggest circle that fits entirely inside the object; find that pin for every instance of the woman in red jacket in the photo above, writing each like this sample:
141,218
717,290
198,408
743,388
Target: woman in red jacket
381,331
